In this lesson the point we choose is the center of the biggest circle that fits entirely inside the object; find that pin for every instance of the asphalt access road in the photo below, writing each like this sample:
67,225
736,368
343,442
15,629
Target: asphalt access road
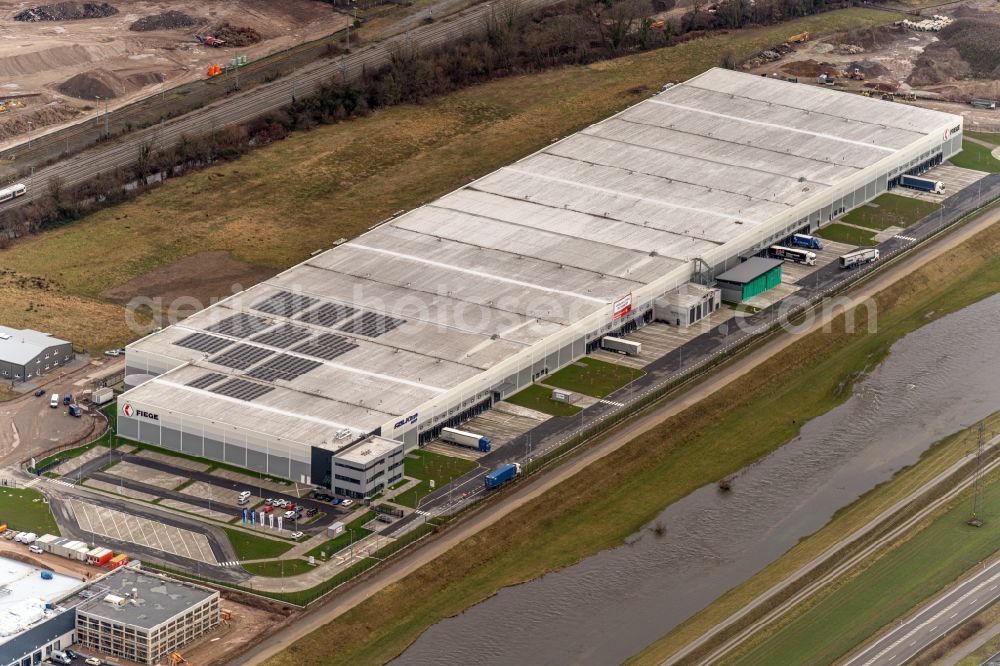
241,107
92,469
675,365
946,612
221,547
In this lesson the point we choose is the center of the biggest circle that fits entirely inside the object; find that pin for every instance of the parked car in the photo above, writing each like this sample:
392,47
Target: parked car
267,508
347,502
113,352
288,515
245,493
296,535
290,505
335,501
71,654
93,661
9,534
312,511
85,594
243,500
36,549
269,501
280,503
39,393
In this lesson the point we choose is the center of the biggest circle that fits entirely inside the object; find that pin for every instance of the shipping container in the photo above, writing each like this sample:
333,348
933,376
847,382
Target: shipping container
621,345
102,396
469,440
99,556
118,560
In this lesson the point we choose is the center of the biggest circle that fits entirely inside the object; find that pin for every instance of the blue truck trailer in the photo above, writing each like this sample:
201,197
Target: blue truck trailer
805,240
922,184
502,475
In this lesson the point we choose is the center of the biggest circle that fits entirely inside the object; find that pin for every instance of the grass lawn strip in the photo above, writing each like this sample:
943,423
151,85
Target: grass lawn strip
842,233
328,549
612,498
890,210
426,465
26,510
976,156
252,547
539,398
986,137
887,589
593,377
278,568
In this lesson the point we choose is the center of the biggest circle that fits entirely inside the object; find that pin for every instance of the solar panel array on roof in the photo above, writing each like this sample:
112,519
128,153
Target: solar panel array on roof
206,380
283,336
242,389
203,342
327,314
283,366
240,356
327,346
240,325
285,303
372,324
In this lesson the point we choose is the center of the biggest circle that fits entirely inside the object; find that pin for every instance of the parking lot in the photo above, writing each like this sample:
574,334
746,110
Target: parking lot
152,477
106,522
954,179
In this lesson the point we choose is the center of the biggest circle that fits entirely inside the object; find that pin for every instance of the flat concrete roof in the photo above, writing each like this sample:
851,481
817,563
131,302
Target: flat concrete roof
159,598
24,595
367,450
365,332
749,270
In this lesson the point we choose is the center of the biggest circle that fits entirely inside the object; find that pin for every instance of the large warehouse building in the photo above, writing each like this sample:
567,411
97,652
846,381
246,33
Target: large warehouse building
432,316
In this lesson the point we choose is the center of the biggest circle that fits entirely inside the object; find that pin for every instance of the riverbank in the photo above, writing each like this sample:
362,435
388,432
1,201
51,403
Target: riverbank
611,499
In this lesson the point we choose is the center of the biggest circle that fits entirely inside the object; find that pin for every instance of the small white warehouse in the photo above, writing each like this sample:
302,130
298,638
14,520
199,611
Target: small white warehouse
429,318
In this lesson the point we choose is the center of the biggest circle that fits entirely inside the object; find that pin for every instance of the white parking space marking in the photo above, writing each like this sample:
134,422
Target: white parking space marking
102,521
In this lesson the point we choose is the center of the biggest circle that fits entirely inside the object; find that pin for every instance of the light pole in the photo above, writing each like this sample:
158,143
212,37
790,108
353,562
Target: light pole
107,129
30,127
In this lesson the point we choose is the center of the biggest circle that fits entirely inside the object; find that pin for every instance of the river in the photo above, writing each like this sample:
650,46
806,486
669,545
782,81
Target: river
611,605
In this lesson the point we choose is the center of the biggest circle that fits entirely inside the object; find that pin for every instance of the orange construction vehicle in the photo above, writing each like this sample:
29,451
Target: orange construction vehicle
658,24
214,70
210,40
799,38
855,74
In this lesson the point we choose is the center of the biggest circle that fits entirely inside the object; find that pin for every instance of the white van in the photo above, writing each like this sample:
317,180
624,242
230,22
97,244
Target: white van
54,400
60,657
29,538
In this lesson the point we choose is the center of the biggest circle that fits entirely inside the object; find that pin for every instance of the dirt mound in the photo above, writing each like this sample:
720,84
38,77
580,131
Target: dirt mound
939,63
67,11
19,122
868,68
235,35
806,68
977,42
871,38
166,21
106,84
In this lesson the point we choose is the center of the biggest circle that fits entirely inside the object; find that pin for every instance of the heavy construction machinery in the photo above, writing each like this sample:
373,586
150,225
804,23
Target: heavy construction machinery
210,40
799,38
214,70
855,74
177,658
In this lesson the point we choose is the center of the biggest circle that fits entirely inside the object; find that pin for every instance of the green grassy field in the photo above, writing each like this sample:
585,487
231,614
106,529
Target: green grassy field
425,465
976,156
251,547
593,377
327,549
539,398
278,568
890,210
986,137
26,510
842,233
603,504
422,152
914,571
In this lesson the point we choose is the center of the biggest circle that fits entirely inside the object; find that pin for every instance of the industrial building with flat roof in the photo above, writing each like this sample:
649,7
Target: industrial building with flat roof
25,353
432,316
144,617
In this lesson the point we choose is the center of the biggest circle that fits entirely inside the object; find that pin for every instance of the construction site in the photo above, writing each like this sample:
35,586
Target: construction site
57,69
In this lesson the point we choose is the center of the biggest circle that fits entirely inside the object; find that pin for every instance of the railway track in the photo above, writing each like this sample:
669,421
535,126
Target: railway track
240,107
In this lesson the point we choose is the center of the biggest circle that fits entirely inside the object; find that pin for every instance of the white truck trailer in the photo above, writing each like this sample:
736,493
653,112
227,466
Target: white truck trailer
621,345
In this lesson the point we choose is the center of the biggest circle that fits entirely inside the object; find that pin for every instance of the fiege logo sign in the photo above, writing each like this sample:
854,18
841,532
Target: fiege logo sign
129,411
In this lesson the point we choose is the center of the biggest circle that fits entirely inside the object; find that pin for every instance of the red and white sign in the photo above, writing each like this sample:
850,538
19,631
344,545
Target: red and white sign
622,306
127,410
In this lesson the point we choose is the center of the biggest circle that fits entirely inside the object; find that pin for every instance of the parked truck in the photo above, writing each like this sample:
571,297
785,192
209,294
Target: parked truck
467,439
922,184
74,410
68,398
502,475
621,345
805,240
858,257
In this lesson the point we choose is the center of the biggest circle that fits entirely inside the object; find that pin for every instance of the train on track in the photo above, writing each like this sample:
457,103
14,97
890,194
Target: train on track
12,192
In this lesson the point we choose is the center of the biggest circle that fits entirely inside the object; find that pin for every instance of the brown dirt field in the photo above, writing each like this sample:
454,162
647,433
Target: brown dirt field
40,56
231,638
204,277
91,325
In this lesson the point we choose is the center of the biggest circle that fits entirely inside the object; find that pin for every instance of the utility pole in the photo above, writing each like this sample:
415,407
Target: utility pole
977,485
